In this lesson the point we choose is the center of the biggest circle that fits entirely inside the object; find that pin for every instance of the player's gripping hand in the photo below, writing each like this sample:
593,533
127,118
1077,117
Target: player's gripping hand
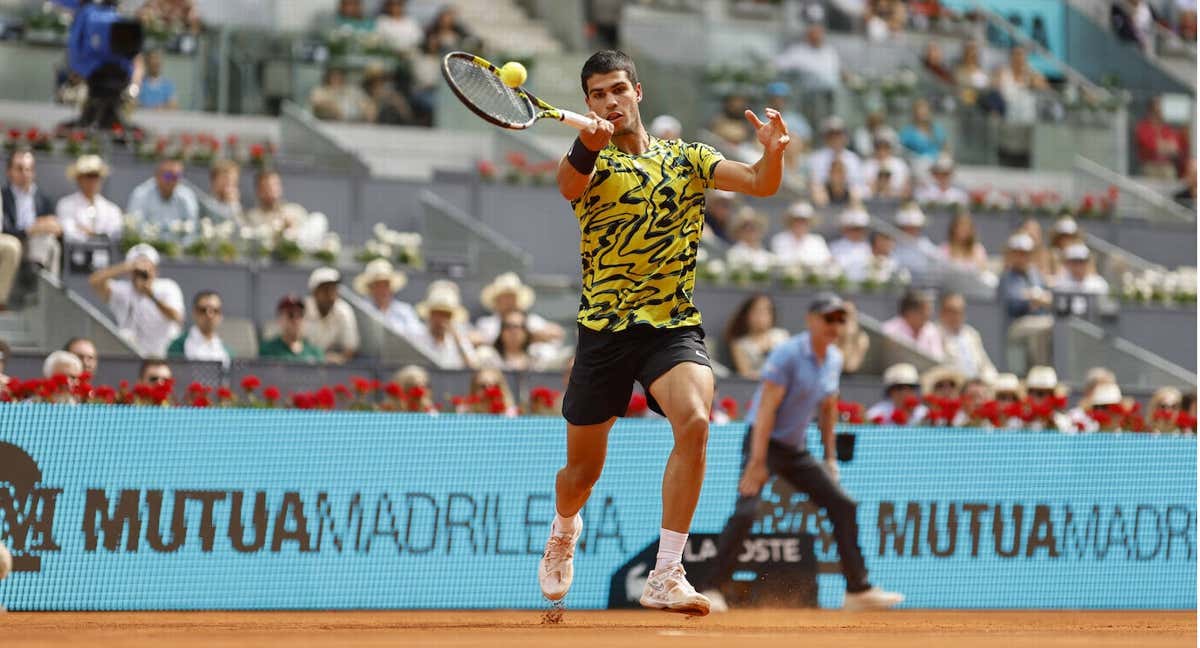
596,136
753,478
773,133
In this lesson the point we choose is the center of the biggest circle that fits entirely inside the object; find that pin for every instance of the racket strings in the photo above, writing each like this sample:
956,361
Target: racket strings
489,94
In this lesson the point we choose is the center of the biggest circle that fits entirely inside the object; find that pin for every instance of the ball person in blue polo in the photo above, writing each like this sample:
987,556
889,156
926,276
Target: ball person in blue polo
799,380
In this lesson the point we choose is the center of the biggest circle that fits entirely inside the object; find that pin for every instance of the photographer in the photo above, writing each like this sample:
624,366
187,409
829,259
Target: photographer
148,310
104,48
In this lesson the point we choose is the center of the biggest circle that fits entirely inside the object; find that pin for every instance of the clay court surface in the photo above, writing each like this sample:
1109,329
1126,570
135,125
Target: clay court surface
808,628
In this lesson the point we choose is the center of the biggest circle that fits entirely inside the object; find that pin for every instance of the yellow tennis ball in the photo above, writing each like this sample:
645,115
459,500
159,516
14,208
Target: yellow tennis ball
513,74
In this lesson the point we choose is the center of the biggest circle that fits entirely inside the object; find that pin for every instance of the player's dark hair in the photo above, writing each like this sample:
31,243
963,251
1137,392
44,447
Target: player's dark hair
606,61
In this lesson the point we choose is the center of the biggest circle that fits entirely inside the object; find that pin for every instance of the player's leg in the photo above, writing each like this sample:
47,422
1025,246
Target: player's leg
807,475
684,394
587,446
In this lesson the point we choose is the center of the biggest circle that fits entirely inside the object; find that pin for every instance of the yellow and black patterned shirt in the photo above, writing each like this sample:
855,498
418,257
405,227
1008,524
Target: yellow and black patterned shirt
640,221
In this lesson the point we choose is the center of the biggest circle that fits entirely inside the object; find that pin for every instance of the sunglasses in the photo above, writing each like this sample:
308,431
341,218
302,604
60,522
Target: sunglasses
169,176
1041,393
945,384
835,319
154,380
209,310
1006,397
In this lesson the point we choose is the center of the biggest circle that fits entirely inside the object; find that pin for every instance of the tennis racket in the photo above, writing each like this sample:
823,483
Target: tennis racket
476,83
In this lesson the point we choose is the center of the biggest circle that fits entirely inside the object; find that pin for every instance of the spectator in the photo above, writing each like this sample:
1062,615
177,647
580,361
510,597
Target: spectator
330,324
882,265
1186,196
272,209
290,344
154,372
863,141
1041,257
63,363
337,100
390,106
1188,404
837,189
508,294
923,137
885,17
942,190
424,85
1065,233
667,127
5,354
914,251
351,16
1026,301
441,338
414,380
796,245
885,173
852,251
1017,82
963,250
30,228
162,200
833,130
974,393
935,63
1008,394
730,124
1078,275
85,350
178,15
779,97
1162,411
398,29
912,325
814,60
86,214
446,32
380,282
157,91
1093,380
202,342
1106,398
490,394
148,309
719,208
1133,21
1162,149
853,341
942,381
962,346
748,251
513,349
901,405
751,335
224,185
969,75
1044,391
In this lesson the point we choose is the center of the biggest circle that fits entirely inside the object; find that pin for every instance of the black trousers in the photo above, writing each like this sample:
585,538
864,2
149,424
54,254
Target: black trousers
808,476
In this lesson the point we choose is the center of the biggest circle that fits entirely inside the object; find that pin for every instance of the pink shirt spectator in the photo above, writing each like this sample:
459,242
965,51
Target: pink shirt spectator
928,340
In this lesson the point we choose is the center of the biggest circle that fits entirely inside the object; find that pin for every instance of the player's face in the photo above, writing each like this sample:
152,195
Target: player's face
612,96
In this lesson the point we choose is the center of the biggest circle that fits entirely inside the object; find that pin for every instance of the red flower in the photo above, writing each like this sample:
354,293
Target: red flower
301,400
250,383
185,139
14,133
201,401
877,419
197,389
486,168
271,393
341,390
497,407
1186,421
729,406
416,392
900,416
911,402
325,398
394,390
256,151
231,141
224,393
457,401
59,380
637,405
517,159
32,134
361,385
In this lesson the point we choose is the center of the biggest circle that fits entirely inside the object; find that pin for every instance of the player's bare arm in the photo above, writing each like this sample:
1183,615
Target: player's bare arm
764,176
572,182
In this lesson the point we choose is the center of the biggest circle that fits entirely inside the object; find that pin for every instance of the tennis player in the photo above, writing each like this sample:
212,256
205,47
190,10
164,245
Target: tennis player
800,379
640,203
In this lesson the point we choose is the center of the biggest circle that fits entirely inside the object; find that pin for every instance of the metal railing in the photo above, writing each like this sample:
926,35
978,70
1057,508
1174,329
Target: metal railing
456,243
1135,198
63,314
302,135
1080,345
377,339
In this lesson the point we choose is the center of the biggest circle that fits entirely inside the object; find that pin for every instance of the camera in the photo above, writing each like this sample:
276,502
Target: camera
101,47
141,274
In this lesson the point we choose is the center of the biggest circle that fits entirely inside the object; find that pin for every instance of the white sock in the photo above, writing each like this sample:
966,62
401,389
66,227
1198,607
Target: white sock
670,548
563,525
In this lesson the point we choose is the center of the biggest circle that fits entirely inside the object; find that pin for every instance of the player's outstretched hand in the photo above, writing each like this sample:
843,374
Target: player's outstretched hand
596,136
773,133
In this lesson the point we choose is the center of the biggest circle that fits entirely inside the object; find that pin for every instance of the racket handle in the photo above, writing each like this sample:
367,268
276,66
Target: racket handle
575,120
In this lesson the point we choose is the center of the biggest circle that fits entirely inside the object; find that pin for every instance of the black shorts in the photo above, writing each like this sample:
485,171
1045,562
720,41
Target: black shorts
607,363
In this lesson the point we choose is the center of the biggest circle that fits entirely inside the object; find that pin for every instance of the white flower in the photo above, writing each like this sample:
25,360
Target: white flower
176,227
380,230
701,255
331,243
131,221
716,267
225,230
207,231
264,232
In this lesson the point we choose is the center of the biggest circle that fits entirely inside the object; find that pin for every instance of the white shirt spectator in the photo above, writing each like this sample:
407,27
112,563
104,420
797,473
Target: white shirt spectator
402,318
399,33
820,161
338,329
820,67
77,216
488,326
854,257
897,167
140,319
1093,284
931,193
26,209
198,347
809,251
446,354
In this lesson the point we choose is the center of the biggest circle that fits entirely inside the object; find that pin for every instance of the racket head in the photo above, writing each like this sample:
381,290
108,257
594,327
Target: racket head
476,83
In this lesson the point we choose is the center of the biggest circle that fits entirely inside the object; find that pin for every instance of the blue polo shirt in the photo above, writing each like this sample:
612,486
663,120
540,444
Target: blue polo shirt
793,366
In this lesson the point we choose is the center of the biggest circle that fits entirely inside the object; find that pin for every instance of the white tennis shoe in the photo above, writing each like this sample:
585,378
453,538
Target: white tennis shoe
556,569
872,599
668,589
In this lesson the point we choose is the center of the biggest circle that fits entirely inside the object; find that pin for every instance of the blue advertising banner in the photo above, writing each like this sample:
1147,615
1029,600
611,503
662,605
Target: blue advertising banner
146,508
1043,21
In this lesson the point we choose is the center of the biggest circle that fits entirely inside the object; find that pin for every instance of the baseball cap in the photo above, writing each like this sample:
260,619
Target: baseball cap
1066,225
323,275
1076,252
289,302
142,250
826,303
1021,242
